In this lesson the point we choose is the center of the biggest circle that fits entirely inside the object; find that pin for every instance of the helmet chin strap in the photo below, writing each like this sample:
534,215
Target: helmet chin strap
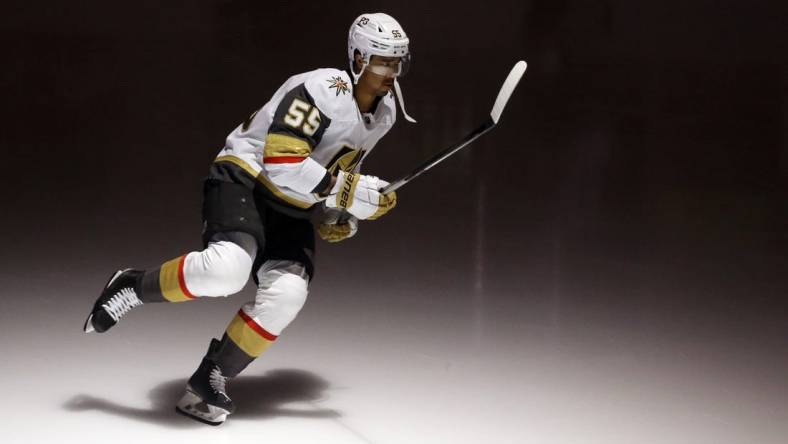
353,72
398,93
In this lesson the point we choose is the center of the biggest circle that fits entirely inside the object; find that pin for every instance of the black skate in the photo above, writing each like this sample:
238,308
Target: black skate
118,297
206,399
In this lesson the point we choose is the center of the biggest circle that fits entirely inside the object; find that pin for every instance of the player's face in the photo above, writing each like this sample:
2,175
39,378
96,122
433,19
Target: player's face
379,75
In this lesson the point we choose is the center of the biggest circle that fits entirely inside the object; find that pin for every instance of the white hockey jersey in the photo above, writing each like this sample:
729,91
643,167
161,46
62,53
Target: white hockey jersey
309,130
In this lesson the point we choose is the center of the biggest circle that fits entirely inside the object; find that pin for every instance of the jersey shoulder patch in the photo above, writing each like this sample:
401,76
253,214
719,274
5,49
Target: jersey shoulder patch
332,91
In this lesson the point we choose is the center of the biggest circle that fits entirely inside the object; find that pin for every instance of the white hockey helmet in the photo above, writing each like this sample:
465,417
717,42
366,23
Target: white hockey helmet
379,34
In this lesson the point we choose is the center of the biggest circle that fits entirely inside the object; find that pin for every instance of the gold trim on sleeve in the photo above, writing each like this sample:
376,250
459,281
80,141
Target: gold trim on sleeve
278,145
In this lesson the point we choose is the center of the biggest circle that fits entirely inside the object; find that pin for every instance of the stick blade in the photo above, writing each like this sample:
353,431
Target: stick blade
507,89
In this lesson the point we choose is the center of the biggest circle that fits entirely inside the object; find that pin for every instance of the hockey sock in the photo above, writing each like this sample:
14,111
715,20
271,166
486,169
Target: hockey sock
166,283
243,341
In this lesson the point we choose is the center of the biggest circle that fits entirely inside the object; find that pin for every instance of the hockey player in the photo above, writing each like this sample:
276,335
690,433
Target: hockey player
301,150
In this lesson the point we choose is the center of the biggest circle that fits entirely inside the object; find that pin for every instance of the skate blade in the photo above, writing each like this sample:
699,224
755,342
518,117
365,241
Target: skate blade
89,324
195,408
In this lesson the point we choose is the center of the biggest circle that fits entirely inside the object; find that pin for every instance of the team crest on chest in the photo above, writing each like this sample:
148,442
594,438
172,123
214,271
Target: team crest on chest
345,159
338,84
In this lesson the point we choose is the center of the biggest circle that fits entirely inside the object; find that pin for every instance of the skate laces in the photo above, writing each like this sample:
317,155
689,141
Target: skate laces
120,304
217,380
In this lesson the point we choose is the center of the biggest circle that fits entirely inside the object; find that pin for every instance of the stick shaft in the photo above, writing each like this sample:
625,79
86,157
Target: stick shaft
440,157
501,100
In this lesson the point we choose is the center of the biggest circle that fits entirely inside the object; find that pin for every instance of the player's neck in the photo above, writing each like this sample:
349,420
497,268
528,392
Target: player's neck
364,98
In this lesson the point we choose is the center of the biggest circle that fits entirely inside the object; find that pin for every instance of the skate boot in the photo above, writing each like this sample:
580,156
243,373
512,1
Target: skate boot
206,398
118,297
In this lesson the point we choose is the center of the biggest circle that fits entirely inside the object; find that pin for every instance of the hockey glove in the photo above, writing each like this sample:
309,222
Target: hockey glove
359,195
336,228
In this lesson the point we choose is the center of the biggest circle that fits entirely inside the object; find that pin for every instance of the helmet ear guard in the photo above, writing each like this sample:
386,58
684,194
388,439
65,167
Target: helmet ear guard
364,64
379,34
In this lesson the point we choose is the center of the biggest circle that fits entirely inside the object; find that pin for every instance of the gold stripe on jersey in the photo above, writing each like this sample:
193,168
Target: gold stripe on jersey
264,180
237,161
291,200
280,145
172,282
248,335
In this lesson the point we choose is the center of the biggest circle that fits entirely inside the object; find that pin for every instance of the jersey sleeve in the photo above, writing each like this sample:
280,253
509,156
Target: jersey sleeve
297,127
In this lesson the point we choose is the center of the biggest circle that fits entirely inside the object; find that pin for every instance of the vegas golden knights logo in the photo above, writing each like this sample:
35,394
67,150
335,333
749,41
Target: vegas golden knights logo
346,159
339,85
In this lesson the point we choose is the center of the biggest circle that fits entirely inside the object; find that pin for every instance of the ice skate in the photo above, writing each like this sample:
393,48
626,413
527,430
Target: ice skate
118,297
206,398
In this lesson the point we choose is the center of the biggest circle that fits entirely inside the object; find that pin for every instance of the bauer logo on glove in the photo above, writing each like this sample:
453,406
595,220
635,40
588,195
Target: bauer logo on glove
358,194
348,187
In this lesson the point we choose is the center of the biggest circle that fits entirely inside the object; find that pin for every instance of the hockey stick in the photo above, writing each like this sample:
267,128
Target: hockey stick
500,103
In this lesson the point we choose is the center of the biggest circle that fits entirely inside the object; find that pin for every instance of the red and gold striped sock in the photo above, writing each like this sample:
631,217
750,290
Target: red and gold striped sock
243,341
166,283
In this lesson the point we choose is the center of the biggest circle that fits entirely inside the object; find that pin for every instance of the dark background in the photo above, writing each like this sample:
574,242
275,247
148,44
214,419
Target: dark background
637,180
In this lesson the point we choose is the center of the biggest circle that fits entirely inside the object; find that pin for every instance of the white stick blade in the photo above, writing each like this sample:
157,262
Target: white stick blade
507,89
